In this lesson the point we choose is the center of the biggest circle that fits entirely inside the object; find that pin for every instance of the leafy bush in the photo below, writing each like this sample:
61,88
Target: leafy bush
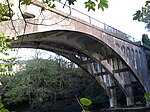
146,40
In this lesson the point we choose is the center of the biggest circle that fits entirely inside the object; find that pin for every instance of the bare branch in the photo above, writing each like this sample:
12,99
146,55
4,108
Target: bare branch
19,6
49,24
10,10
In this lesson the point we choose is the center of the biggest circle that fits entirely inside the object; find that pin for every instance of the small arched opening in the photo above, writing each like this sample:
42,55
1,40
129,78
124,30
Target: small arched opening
132,56
136,59
128,53
123,49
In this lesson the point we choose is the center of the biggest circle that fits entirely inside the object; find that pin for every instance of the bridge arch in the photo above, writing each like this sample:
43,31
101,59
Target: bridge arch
75,41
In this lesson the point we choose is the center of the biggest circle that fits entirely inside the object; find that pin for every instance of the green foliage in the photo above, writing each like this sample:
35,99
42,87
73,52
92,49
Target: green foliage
4,45
26,2
146,40
5,13
85,102
49,3
103,4
147,97
143,15
5,63
37,83
91,5
2,109
30,81
41,81
138,15
1,105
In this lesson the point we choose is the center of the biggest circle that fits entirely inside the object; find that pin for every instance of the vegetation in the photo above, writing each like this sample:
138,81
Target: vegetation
147,97
4,46
85,103
2,109
36,83
146,40
5,13
41,84
143,14
5,63
89,4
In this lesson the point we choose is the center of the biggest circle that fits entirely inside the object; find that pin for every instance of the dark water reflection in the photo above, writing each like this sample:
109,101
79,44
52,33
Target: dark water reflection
105,111
124,111
147,110
127,111
70,110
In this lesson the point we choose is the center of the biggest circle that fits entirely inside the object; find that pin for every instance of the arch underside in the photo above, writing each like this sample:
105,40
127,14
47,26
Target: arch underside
82,49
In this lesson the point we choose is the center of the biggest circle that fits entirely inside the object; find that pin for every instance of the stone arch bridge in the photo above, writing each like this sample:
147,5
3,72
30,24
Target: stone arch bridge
105,53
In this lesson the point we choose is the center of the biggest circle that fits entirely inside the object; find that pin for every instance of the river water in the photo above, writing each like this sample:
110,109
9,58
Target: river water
94,111
106,111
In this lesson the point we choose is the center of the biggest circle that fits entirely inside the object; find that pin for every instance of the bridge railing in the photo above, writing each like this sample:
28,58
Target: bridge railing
97,23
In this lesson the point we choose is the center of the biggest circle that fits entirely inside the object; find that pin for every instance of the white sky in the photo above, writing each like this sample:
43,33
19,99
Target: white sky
118,15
